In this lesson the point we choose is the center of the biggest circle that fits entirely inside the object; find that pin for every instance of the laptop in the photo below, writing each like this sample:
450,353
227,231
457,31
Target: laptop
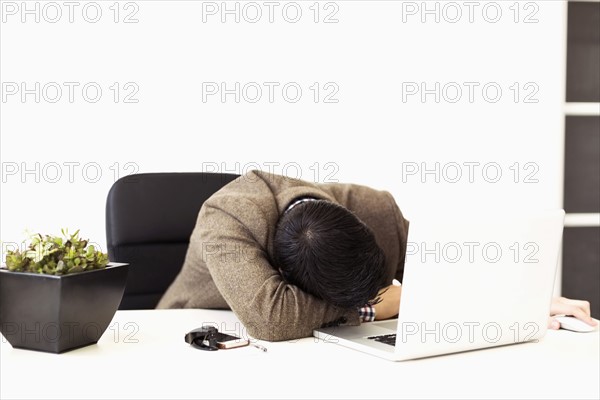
471,281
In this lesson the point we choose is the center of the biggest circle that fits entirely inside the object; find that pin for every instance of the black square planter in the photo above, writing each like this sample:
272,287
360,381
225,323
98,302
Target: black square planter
58,313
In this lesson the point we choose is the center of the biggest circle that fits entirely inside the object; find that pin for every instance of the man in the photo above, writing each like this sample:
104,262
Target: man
288,256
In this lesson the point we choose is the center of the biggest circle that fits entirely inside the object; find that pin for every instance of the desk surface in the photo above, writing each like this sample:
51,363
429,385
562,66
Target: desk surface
143,355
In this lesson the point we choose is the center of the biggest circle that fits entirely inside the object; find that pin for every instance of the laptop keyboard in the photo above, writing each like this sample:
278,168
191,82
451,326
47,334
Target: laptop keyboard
387,339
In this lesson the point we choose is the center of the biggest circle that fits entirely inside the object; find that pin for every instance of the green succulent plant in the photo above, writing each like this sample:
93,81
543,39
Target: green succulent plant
55,255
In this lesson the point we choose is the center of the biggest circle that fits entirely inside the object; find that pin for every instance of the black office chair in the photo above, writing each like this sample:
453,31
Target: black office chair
149,220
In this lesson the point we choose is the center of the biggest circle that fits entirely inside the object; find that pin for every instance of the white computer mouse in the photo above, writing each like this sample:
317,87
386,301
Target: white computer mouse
574,324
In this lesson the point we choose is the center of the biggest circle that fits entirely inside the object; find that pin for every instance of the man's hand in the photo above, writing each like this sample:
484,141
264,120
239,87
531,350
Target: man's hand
563,306
390,302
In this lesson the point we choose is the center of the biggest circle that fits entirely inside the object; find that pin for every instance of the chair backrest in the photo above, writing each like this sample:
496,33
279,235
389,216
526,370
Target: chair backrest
149,220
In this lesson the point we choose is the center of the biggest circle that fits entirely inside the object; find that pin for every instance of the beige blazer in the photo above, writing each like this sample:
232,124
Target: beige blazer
228,265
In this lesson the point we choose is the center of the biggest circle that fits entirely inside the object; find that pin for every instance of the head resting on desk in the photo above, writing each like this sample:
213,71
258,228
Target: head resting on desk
327,251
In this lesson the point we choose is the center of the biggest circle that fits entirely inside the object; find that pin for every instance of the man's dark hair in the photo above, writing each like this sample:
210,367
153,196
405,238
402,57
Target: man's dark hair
324,249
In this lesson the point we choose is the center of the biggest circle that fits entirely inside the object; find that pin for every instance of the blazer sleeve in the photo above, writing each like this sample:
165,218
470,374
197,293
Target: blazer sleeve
402,229
267,306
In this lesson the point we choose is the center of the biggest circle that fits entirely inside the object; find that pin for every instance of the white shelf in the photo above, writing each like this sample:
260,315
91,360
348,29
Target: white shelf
582,220
582,109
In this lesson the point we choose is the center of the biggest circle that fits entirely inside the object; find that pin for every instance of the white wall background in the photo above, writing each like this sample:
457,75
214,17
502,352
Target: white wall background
375,132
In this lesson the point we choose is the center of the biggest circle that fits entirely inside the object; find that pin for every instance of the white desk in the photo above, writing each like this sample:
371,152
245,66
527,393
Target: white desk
161,365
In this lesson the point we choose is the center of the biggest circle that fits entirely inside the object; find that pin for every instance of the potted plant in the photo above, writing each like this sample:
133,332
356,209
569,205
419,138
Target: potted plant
59,294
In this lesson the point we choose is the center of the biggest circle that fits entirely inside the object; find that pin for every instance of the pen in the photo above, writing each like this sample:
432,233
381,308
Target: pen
258,346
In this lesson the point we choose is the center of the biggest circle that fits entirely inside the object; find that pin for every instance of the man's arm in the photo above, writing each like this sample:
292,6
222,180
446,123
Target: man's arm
402,231
390,303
